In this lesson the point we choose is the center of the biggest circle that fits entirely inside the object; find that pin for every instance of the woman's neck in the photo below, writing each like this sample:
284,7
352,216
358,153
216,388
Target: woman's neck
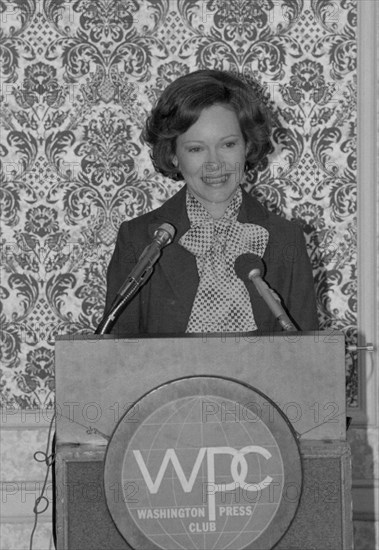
215,209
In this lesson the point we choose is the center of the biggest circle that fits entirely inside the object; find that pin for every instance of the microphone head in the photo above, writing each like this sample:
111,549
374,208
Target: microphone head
247,266
164,234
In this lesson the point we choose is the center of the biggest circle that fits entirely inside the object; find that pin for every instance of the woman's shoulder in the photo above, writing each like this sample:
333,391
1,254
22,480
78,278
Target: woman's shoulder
281,223
170,210
276,223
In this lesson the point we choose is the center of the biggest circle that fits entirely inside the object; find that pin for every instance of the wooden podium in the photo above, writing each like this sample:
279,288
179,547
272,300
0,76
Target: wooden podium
99,378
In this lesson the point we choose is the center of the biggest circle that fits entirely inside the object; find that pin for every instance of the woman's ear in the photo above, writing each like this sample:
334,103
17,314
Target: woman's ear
175,160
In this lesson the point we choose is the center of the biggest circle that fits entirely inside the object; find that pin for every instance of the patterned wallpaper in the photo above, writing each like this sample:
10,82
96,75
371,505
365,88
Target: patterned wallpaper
78,79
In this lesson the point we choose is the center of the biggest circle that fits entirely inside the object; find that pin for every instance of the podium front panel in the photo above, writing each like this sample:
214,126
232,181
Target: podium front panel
98,379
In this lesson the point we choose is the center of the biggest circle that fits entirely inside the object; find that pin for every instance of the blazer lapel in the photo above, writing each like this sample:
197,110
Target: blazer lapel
177,264
253,211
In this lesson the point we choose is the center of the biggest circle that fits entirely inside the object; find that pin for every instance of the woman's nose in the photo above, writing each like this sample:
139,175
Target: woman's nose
213,162
211,167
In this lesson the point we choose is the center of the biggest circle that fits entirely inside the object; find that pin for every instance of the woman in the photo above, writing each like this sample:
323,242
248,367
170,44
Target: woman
208,128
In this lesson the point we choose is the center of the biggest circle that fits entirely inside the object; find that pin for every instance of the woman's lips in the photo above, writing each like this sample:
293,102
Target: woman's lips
215,179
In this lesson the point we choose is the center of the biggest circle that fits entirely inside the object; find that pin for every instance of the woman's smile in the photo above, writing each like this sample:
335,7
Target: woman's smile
215,180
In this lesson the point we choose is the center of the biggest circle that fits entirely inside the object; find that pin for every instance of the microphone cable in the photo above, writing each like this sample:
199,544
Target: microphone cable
48,459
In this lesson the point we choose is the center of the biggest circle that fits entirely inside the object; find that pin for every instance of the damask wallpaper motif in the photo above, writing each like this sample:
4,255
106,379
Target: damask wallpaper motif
78,80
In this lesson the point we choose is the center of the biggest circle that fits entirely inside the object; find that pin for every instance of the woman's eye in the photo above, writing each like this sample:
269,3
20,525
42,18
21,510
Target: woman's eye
230,144
194,149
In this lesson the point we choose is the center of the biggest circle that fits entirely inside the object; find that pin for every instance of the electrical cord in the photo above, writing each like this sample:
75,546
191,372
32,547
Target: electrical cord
48,459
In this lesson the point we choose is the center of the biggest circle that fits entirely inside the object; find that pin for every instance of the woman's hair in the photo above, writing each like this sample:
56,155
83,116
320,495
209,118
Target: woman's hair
180,106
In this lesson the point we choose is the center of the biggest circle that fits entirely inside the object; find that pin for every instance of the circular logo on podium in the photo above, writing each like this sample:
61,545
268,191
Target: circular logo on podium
203,463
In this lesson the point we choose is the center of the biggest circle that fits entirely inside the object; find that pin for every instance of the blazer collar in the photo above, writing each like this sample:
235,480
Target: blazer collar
173,211
252,211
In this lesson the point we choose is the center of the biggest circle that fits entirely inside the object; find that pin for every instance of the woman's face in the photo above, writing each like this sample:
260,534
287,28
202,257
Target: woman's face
211,157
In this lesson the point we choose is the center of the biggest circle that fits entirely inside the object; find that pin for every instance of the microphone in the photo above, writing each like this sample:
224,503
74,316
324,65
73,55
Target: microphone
248,267
162,237
137,277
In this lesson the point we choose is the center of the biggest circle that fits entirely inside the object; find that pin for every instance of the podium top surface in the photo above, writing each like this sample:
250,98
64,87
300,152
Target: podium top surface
323,336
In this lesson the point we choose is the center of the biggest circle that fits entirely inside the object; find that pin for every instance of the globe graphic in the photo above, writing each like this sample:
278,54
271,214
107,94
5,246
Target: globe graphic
209,474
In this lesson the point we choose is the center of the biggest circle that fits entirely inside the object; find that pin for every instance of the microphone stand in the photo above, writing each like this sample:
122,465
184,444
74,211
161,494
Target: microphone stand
120,302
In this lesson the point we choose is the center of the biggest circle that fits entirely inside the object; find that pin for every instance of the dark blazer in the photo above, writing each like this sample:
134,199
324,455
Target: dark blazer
164,303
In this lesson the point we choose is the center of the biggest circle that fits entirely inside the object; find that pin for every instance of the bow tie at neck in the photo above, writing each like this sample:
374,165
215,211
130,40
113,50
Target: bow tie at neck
225,235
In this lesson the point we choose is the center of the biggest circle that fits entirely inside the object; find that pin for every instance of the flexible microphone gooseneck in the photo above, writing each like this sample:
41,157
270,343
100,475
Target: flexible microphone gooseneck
248,267
137,277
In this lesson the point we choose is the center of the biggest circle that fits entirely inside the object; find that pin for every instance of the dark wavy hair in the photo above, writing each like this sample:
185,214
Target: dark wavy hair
181,104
